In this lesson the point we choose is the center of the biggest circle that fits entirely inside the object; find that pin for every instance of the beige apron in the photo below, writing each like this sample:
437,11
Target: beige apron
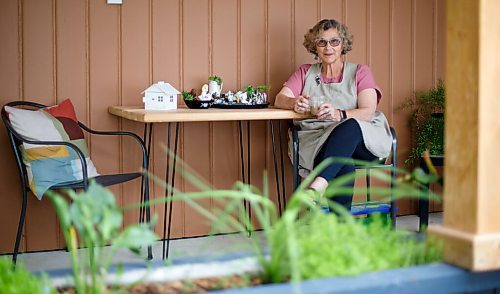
343,95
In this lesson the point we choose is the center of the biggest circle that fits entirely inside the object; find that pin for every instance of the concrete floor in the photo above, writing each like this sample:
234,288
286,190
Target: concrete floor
214,245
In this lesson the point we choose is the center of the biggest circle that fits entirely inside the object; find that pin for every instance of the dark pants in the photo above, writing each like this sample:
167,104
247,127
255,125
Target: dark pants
345,141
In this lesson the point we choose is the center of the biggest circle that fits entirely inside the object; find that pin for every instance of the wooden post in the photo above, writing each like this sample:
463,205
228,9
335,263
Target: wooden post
471,224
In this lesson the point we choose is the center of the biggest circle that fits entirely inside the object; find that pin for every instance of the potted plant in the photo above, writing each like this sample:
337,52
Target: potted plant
304,243
215,85
93,218
257,95
426,121
193,101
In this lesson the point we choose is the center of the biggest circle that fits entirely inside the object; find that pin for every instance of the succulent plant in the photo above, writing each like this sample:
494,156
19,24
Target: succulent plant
216,79
189,95
251,91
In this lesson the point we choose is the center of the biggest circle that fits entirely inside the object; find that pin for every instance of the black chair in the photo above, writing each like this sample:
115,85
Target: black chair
16,140
382,163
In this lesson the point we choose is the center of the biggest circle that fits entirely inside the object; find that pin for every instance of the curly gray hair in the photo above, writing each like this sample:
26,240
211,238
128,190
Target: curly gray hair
324,25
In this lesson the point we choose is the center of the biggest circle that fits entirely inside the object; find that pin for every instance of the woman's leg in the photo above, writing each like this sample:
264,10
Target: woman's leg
345,141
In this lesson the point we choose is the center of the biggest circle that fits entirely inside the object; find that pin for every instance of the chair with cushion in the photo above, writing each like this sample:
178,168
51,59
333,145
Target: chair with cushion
51,153
369,207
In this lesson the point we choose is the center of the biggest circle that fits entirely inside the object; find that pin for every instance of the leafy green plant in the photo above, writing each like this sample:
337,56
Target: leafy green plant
251,90
426,121
360,248
216,79
188,95
263,88
323,245
19,280
94,218
305,242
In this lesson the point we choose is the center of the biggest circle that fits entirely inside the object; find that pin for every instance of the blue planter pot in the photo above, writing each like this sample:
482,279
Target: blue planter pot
431,278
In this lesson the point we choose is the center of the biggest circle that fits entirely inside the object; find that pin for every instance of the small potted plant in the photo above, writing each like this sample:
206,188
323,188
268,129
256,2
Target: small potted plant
257,95
192,101
426,121
215,85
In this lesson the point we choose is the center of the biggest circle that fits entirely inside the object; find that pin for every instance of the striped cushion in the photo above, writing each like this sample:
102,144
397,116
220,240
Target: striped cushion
49,165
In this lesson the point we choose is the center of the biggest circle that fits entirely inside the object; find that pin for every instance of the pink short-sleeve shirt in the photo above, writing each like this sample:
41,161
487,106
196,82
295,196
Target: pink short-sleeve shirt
364,80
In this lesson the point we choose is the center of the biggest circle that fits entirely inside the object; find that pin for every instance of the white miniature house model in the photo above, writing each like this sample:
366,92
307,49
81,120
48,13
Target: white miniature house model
160,96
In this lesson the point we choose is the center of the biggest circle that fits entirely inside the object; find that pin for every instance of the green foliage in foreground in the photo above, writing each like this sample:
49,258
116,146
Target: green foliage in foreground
20,281
329,247
306,243
302,243
94,219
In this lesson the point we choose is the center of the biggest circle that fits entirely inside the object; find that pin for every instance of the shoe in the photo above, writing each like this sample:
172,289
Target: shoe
318,200
314,196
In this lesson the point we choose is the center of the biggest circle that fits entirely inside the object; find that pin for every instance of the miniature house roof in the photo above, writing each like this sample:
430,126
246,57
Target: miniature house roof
162,87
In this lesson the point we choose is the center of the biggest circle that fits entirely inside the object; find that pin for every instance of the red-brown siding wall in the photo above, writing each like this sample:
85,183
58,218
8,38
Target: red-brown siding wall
101,55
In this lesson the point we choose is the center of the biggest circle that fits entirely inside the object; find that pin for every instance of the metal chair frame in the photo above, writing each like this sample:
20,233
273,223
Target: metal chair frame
16,139
383,164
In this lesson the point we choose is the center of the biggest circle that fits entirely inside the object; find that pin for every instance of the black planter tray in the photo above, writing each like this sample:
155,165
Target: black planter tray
240,106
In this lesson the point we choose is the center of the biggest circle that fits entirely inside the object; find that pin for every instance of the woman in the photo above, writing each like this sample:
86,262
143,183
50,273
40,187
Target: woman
348,124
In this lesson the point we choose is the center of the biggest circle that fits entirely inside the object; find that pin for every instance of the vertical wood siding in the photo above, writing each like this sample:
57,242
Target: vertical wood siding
101,55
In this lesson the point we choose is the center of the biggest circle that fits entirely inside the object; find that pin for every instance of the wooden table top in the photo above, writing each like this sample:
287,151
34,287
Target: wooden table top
182,114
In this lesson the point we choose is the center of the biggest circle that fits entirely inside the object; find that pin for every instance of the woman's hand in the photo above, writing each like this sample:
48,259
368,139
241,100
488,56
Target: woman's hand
301,104
327,111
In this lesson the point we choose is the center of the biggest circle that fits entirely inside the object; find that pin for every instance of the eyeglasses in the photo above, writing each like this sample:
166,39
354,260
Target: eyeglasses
334,42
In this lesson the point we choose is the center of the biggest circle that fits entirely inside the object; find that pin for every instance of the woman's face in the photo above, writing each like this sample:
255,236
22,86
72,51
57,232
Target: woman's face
329,46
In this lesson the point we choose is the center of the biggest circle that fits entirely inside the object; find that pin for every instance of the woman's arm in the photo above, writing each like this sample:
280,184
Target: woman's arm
286,100
367,104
